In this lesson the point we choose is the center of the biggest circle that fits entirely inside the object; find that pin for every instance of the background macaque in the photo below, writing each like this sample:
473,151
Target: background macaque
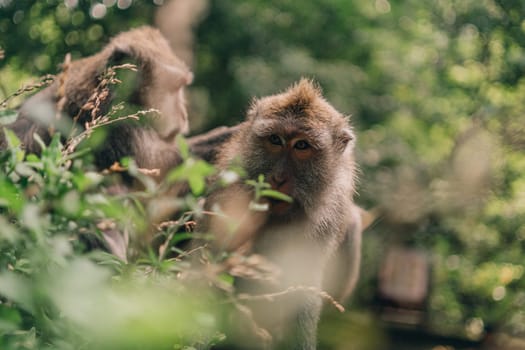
160,85
304,149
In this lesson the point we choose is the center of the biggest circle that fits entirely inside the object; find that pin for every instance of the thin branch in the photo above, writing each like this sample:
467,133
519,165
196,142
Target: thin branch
271,296
100,94
43,81
100,122
189,252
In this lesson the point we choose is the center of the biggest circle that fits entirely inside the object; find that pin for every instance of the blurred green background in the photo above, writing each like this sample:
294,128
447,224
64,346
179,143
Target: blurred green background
435,90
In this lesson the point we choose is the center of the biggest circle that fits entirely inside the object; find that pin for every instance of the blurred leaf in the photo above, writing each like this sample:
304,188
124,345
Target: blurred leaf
10,319
227,278
12,139
17,289
183,147
276,195
10,196
7,116
194,172
8,231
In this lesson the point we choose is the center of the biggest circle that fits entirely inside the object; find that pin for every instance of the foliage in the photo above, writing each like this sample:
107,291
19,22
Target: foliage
58,293
435,90
50,29
89,263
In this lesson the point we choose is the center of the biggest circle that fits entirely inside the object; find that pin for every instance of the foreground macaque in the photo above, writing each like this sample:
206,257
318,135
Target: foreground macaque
161,80
304,149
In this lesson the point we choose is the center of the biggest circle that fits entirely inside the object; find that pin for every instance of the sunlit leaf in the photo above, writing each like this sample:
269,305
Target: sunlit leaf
7,116
10,196
32,158
11,138
255,206
227,278
194,172
8,231
183,147
276,195
10,319
16,288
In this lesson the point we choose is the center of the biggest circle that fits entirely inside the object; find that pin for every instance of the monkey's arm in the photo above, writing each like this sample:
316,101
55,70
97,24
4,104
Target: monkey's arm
208,145
342,271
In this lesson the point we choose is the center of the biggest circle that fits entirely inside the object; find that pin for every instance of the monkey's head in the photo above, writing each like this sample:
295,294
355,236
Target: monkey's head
301,144
163,78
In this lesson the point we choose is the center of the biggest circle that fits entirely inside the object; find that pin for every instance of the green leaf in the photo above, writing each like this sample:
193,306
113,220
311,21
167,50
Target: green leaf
193,171
227,278
184,148
7,231
40,142
10,196
78,154
32,158
10,319
203,168
87,180
7,116
24,169
53,151
180,237
255,206
197,184
16,288
12,140
276,195
126,162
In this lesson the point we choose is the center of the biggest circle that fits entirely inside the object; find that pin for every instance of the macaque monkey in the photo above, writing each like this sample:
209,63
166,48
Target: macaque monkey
304,148
162,78
342,271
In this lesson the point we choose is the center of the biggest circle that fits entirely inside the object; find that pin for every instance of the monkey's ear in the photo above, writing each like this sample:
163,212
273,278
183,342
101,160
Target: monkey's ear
344,138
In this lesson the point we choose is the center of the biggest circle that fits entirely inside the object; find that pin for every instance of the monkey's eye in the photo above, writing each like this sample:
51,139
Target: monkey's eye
275,140
301,145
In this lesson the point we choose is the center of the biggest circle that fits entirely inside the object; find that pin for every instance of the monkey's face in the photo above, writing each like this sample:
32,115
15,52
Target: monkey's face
292,156
301,144
168,96
174,116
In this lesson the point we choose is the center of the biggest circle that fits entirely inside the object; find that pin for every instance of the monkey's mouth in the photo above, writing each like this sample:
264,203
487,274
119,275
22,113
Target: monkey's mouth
279,207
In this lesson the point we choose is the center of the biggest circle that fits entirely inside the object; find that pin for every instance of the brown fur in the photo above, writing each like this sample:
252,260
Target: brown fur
301,237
